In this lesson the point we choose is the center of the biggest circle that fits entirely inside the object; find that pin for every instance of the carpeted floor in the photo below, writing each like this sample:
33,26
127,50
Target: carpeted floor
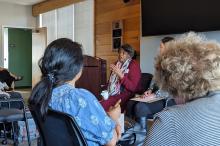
10,143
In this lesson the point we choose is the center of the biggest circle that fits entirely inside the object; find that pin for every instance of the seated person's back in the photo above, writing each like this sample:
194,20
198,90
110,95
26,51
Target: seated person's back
191,64
61,66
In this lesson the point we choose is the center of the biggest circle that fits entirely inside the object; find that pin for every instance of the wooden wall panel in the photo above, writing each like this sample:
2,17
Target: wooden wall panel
103,28
49,5
122,13
103,39
111,5
107,11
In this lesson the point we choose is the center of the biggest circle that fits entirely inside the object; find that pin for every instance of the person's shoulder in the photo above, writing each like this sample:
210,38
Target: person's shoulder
170,113
176,108
178,111
83,92
134,63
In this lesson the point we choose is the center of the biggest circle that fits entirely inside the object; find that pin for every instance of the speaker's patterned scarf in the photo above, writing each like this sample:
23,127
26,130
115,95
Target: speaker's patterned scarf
114,85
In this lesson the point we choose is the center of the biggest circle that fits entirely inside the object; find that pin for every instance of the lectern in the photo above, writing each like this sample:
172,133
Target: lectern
93,76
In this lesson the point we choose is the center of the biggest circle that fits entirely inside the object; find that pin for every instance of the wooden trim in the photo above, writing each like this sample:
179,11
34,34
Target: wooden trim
49,5
94,28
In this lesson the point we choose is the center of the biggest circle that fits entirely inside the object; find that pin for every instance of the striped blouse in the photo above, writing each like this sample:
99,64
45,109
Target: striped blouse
196,123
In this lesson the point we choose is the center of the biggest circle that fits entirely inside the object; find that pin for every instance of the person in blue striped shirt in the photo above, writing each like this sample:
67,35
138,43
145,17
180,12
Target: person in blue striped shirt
189,69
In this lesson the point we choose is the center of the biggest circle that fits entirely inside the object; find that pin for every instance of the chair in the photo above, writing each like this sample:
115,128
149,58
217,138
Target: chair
145,81
58,129
11,115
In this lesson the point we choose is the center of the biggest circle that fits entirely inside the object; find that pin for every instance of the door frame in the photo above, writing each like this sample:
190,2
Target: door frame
5,42
4,53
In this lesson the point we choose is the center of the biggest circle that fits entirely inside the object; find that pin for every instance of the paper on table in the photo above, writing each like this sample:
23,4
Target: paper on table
149,99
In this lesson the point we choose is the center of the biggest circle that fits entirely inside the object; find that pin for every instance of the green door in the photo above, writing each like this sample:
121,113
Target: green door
20,55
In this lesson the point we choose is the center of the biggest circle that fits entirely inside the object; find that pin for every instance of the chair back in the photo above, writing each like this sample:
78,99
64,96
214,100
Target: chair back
145,81
58,129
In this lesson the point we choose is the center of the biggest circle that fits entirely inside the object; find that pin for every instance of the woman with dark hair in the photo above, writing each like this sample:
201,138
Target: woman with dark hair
153,86
61,66
141,111
124,80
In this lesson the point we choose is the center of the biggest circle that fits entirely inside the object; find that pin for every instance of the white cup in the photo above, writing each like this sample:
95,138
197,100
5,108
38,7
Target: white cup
105,94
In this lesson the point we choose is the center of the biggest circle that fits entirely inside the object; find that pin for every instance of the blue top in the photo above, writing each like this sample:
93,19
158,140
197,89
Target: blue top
93,121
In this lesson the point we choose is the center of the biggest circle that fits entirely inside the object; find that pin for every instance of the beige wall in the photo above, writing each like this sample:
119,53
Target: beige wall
14,15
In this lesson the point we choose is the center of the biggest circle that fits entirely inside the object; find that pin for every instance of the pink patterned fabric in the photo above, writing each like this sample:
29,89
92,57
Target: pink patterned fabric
114,81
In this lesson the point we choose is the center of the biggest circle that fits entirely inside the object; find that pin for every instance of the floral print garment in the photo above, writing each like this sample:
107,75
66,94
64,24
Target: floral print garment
93,121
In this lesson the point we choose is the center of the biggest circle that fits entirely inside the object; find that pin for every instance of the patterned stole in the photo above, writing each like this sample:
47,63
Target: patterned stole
114,82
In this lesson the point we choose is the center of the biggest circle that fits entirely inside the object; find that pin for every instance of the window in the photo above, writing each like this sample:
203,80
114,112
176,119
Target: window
59,23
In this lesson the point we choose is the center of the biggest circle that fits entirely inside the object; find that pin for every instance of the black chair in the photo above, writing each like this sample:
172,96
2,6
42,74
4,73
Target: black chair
58,129
11,115
145,82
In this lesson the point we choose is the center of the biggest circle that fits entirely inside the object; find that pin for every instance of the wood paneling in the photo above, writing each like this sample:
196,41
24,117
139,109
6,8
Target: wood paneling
103,39
122,13
107,11
49,5
111,5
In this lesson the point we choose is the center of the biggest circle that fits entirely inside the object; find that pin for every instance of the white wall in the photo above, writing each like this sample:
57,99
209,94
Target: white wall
39,42
76,22
59,23
150,48
84,25
14,15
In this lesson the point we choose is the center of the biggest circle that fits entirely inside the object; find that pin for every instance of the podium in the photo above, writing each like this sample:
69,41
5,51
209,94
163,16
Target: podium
93,75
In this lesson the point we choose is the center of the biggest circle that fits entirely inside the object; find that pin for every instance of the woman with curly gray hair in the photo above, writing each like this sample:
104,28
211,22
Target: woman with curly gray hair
190,69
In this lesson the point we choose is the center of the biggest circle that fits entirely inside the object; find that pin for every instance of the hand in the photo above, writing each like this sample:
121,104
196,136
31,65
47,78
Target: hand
115,111
116,69
147,93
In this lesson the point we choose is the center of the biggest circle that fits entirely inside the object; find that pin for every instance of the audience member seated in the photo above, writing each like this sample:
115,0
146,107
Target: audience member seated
61,66
7,78
141,111
189,68
124,80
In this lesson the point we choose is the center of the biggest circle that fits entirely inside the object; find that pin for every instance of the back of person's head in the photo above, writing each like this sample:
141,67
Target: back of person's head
129,49
189,67
166,39
164,42
61,62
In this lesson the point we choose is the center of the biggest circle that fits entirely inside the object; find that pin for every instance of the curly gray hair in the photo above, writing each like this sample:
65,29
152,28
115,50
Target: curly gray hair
189,67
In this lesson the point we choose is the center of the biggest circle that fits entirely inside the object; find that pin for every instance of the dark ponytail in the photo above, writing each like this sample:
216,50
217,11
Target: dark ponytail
61,62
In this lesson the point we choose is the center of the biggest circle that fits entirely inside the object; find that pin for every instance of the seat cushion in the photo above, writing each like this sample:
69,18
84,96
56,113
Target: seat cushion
10,115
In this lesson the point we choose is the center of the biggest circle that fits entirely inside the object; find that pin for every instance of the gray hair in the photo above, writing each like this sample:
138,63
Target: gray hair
189,67
129,49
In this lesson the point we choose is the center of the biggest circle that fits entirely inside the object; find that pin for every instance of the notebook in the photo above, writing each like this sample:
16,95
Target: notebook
149,99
